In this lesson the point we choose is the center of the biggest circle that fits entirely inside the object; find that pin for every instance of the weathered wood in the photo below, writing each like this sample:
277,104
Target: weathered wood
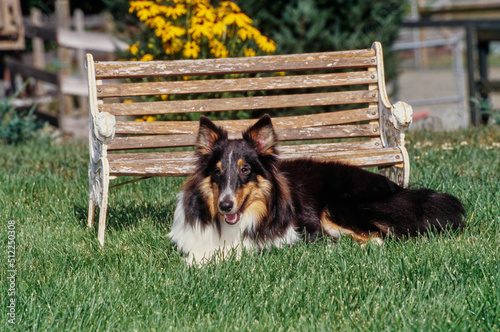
289,150
307,133
74,86
329,132
236,85
11,26
182,163
191,127
261,64
95,41
30,71
64,58
311,148
151,142
38,50
244,103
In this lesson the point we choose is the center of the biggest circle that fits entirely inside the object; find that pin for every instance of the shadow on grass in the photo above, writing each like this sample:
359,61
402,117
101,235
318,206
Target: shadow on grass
123,216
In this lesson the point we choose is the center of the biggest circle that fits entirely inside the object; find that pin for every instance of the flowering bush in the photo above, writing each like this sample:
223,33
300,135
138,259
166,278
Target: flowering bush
177,29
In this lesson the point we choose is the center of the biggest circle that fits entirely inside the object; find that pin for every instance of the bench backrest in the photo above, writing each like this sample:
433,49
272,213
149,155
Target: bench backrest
353,79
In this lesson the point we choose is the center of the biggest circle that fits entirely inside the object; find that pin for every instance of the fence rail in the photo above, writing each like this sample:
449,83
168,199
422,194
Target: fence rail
72,42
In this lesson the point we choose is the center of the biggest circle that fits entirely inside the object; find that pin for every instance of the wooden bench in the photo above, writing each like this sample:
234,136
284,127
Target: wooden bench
368,134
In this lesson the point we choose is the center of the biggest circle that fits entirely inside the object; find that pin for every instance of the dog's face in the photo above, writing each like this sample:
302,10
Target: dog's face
236,172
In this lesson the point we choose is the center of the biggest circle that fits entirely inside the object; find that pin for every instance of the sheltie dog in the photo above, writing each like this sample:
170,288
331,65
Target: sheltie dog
243,196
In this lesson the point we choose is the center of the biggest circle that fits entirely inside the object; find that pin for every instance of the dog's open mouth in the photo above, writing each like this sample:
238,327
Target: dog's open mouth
232,219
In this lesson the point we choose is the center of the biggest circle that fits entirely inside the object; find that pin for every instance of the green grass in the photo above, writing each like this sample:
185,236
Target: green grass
139,282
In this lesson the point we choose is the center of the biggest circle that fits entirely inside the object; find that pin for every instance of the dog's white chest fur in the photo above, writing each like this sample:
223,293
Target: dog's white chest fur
201,243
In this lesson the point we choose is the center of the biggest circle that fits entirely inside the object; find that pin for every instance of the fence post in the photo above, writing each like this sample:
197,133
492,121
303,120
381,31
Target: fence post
79,24
38,51
63,53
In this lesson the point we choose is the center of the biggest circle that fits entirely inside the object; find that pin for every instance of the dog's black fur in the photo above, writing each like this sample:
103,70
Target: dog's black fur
245,180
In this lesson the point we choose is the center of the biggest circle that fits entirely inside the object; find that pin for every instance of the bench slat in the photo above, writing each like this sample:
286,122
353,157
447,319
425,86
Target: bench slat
191,127
235,85
325,132
283,149
244,103
182,163
260,64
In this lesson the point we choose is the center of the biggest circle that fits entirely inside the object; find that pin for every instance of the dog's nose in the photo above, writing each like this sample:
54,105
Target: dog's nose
226,206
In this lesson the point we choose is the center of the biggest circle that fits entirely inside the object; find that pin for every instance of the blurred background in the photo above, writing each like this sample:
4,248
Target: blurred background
442,56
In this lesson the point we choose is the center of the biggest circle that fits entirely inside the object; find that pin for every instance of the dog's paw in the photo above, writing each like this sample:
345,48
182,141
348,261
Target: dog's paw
374,240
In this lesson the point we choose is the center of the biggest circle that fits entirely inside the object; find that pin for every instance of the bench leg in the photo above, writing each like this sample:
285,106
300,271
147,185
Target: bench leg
90,220
395,174
99,188
103,207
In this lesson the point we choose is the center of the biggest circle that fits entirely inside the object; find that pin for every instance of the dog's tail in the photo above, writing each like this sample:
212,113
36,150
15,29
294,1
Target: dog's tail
410,212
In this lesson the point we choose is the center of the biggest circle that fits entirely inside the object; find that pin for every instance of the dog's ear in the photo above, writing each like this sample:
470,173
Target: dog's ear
262,136
208,134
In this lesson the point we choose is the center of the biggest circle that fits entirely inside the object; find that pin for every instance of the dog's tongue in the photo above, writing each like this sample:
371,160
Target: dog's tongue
232,218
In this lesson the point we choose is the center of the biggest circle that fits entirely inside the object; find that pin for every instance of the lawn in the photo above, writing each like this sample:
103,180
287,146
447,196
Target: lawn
138,281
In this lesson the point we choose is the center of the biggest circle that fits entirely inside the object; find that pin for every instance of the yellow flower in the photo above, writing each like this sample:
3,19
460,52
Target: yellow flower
195,27
248,32
133,49
173,46
219,28
230,5
162,97
197,2
175,11
191,50
156,22
240,19
249,52
218,49
138,5
146,118
266,44
200,27
206,11
146,57
154,9
144,14
169,31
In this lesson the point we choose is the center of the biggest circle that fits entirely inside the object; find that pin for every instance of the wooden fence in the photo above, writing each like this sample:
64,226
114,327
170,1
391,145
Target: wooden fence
73,41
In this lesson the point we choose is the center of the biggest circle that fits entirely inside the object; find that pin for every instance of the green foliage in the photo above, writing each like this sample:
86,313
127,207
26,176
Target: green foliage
490,115
138,281
299,26
48,6
17,126
119,11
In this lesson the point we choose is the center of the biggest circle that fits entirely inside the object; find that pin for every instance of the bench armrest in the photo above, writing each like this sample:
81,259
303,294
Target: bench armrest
104,126
401,115
394,119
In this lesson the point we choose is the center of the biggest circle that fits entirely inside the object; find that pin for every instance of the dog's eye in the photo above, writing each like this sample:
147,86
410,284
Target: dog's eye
217,171
245,170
